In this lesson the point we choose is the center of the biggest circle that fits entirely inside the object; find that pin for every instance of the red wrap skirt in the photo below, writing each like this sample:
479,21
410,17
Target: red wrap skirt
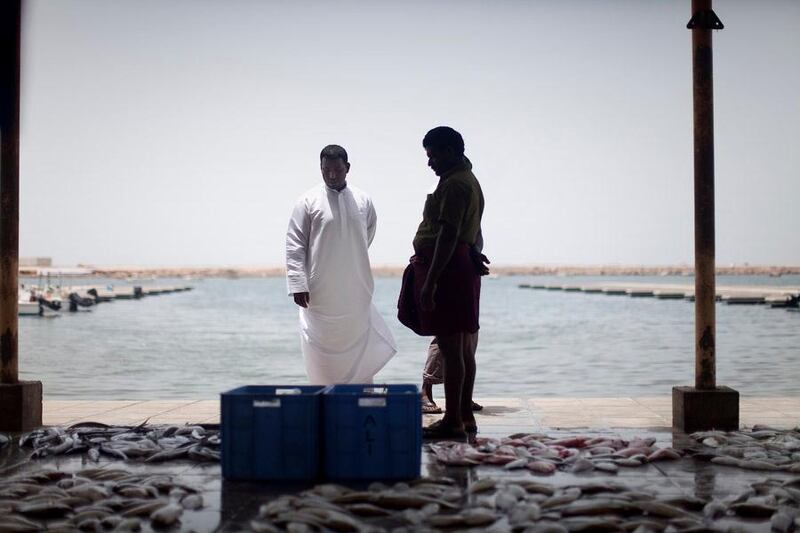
457,295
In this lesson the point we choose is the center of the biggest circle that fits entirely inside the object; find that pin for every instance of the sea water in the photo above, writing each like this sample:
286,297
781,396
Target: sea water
226,333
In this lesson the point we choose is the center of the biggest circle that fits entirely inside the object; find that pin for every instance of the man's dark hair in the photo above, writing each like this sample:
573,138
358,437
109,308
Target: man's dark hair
333,151
443,137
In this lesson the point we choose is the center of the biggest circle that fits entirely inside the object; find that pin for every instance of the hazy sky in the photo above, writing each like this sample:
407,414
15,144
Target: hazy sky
182,132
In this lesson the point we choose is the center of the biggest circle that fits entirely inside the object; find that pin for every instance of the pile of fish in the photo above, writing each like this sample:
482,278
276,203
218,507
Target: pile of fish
544,455
92,500
761,448
522,504
147,443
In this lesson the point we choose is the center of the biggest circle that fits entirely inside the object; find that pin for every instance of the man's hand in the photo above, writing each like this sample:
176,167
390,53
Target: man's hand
427,302
478,260
301,298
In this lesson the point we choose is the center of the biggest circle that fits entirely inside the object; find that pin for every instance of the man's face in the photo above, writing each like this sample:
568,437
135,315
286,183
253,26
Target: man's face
334,172
440,160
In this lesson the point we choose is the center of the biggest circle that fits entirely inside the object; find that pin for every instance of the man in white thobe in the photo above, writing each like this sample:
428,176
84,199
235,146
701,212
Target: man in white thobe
343,337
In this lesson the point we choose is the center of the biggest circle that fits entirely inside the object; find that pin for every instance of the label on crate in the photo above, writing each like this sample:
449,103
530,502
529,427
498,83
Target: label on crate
285,392
372,402
267,403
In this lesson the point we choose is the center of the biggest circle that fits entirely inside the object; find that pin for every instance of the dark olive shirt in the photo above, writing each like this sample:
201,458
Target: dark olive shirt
458,202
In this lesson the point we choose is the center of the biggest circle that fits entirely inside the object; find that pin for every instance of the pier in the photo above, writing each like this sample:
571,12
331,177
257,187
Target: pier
127,292
772,295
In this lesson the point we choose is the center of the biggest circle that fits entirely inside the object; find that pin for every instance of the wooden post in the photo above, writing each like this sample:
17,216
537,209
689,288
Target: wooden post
20,401
704,248
10,22
704,406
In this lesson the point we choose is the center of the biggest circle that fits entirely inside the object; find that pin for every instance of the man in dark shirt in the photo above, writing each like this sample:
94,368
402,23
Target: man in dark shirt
441,286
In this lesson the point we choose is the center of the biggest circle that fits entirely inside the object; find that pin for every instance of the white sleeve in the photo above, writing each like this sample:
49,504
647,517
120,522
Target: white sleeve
297,237
372,222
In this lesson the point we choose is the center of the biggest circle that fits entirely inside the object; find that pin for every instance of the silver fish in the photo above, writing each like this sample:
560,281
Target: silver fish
129,524
753,510
367,510
482,485
167,515
192,502
661,509
547,527
606,466
144,509
46,509
782,522
568,495
519,463
263,527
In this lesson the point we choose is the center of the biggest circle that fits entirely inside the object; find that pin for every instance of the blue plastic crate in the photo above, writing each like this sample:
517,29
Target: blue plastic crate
271,432
372,432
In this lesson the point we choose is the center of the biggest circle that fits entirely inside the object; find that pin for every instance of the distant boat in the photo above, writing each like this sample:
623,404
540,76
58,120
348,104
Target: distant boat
28,304
26,308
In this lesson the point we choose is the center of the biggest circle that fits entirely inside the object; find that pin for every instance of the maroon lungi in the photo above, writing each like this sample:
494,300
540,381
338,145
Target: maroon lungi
457,295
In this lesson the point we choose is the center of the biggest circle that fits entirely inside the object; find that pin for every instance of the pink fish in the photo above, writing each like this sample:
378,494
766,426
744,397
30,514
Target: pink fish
664,454
570,442
541,467
630,452
639,442
566,453
506,450
499,459
514,442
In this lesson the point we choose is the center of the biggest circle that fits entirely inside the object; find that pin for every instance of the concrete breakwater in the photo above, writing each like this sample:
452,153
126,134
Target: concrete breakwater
774,296
389,270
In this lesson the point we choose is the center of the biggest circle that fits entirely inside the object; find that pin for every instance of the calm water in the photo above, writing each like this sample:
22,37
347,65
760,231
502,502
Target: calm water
227,333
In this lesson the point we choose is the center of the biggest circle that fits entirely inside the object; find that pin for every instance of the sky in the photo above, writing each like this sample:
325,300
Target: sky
181,132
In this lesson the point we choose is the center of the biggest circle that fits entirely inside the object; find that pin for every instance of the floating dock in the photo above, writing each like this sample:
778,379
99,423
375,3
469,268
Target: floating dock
772,295
126,292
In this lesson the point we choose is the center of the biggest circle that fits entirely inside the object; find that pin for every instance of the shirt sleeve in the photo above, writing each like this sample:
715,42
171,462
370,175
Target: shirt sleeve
372,222
454,203
297,249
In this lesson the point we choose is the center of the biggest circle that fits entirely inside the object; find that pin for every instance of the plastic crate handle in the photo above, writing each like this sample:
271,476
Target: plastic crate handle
371,402
380,389
288,391
269,404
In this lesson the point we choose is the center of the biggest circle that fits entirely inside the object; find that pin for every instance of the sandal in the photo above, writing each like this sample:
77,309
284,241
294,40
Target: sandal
429,407
477,407
438,430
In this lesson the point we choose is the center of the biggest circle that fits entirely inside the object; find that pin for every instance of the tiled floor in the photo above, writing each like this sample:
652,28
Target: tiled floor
640,412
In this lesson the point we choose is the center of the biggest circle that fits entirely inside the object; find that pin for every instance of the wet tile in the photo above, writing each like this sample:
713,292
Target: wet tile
502,402
57,421
778,422
604,402
661,401
552,402
634,422
504,421
202,520
577,423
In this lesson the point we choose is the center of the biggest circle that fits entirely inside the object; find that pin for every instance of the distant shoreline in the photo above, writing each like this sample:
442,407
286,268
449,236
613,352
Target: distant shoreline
132,271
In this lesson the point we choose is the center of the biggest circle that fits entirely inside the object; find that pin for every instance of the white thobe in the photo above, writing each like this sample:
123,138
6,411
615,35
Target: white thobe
343,337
